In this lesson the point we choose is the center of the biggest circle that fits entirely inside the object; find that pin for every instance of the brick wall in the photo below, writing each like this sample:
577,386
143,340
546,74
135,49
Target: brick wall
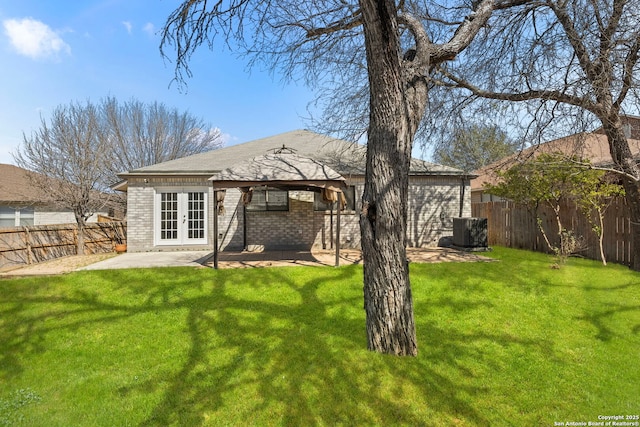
230,222
293,229
139,217
140,210
433,202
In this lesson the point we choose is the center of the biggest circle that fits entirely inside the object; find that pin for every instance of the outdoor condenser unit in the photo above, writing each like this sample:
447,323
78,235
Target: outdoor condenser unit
470,232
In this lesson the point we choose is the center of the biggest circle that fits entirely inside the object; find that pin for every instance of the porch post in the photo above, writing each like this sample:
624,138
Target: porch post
331,227
244,226
215,229
339,206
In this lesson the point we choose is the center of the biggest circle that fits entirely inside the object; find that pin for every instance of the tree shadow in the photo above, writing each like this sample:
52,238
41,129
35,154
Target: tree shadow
304,361
602,319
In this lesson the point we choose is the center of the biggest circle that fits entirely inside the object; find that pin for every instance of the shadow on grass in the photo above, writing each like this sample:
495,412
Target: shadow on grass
299,361
602,319
272,347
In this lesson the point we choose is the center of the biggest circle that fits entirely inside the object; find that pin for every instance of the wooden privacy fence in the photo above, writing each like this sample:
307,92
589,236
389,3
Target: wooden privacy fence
33,244
514,226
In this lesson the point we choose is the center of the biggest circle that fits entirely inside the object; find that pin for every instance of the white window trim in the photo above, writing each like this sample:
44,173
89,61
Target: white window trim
182,240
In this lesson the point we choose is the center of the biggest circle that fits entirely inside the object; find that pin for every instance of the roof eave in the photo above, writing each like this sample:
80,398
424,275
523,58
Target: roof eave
207,173
319,183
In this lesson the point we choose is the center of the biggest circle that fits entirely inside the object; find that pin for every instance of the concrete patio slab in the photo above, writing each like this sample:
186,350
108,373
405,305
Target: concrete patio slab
152,259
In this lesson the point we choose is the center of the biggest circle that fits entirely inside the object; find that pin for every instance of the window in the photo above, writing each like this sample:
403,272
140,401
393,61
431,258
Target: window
7,217
269,199
350,194
14,217
26,216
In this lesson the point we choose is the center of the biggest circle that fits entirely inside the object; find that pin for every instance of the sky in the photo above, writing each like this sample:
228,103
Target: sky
57,52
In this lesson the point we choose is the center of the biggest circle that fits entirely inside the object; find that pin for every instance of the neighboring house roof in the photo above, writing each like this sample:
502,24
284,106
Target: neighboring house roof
344,157
589,146
16,187
630,125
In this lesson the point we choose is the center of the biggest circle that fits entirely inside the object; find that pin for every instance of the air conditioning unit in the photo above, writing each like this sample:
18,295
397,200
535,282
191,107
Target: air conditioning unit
470,232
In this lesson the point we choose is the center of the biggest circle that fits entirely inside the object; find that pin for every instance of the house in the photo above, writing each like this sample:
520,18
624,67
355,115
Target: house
278,192
593,146
22,203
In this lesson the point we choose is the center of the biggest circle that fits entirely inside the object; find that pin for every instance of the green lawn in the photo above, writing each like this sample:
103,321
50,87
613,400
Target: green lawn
512,342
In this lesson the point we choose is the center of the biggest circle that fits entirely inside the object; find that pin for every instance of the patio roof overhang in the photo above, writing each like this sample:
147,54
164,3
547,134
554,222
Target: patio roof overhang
283,170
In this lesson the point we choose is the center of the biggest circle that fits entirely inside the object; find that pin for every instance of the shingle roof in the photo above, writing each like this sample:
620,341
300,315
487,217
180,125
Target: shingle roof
282,167
344,157
16,187
591,146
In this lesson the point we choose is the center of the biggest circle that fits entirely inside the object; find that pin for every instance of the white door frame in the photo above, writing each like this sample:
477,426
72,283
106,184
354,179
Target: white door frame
185,219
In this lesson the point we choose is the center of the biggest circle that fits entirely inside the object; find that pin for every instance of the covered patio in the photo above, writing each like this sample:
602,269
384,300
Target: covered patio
283,170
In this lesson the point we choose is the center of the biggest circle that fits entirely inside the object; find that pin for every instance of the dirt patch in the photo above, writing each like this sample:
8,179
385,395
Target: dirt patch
57,266
327,257
445,255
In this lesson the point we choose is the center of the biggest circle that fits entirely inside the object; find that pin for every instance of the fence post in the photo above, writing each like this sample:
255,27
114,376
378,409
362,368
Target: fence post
75,238
27,240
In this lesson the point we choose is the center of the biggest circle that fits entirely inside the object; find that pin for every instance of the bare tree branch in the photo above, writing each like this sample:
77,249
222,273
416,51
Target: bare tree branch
517,96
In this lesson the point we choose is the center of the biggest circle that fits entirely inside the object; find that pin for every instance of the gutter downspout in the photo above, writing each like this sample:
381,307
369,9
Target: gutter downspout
462,192
215,229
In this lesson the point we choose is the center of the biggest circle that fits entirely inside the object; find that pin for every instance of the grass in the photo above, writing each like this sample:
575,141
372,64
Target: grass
503,343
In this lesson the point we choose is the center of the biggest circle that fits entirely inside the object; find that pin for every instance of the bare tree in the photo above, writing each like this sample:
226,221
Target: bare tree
145,134
564,60
79,151
68,155
321,40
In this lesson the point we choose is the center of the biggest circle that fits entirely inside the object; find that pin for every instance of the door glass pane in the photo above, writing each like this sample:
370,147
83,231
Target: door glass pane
168,216
195,215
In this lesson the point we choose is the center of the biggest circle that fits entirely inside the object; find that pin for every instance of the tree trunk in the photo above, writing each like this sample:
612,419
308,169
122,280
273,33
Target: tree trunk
81,230
383,220
601,236
622,157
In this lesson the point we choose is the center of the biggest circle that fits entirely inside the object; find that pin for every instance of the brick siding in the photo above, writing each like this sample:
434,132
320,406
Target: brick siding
433,202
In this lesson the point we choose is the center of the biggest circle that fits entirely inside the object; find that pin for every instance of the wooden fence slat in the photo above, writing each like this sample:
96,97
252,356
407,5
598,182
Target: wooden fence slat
33,244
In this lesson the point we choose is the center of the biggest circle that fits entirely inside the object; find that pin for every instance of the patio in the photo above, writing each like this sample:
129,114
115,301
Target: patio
246,259
227,259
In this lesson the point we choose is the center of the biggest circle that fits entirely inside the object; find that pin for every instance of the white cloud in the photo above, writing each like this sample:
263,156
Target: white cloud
150,29
34,39
128,26
227,139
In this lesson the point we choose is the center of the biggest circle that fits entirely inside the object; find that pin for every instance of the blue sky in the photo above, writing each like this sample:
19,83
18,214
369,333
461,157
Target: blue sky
56,52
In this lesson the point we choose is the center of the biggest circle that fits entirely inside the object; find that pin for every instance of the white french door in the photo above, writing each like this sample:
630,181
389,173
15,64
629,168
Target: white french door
181,217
